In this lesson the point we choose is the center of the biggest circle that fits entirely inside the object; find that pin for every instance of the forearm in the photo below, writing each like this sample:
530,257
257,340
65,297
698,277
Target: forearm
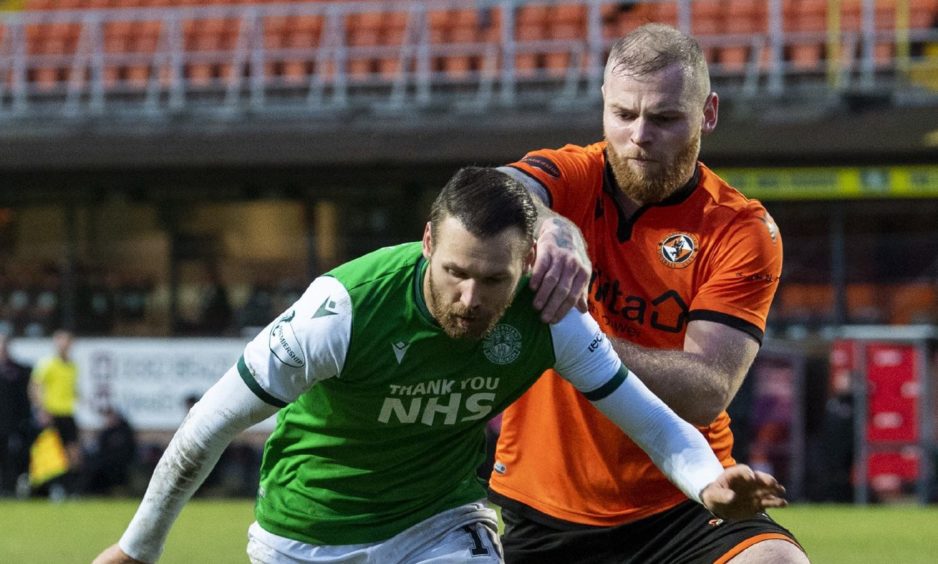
550,223
225,411
566,234
697,389
677,448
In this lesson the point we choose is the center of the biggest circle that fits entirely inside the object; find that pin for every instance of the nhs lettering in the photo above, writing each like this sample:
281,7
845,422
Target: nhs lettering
440,402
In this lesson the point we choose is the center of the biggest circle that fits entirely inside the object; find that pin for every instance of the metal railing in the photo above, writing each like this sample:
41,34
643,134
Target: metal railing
67,62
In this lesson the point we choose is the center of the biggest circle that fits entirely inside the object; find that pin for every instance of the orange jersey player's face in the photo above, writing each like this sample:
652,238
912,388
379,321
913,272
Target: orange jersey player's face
472,280
653,125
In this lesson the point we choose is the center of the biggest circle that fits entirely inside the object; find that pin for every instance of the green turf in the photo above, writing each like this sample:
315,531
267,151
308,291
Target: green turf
212,531
894,534
215,531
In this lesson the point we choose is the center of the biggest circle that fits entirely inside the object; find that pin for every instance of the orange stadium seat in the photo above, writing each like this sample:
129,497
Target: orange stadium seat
914,303
459,66
392,34
865,303
526,62
707,20
851,15
810,16
745,17
806,56
923,14
733,58
465,18
439,22
744,20
362,66
706,10
303,34
804,301
532,15
573,14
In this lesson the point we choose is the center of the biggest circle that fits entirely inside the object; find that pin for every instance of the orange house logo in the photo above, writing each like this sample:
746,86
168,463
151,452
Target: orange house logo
678,250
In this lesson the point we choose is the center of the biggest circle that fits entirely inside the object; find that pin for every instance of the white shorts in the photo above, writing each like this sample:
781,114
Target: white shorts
468,533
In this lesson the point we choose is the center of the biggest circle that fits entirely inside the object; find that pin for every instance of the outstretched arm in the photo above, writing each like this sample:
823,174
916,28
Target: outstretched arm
682,453
562,268
225,410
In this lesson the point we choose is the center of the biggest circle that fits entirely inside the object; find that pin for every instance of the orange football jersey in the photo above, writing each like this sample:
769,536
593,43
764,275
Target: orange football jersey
706,252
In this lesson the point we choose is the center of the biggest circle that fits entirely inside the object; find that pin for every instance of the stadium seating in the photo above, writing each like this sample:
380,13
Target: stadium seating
732,32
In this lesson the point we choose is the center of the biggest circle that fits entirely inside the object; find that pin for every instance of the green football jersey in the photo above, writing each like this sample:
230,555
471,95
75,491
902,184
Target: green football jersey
383,414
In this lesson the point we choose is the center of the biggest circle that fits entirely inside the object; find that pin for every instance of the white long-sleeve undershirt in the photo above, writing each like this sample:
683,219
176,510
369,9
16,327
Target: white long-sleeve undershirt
674,445
225,410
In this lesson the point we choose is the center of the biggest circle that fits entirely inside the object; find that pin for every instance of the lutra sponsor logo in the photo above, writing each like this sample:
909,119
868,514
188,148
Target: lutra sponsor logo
621,311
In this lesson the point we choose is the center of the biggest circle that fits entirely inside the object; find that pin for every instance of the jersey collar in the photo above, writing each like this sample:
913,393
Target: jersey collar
420,271
626,222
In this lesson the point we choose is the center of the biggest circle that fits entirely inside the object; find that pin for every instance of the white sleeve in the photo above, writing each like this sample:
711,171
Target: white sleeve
533,185
585,357
225,410
306,344
674,445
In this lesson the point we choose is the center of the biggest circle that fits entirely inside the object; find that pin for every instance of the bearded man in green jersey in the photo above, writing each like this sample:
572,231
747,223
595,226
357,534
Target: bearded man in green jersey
385,373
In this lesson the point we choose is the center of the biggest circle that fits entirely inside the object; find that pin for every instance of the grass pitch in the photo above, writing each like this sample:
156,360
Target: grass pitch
216,531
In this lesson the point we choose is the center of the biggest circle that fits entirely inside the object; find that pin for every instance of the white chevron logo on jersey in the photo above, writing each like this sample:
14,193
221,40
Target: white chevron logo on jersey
400,349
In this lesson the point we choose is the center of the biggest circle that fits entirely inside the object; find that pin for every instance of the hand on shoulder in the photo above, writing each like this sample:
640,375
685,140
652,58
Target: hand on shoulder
561,271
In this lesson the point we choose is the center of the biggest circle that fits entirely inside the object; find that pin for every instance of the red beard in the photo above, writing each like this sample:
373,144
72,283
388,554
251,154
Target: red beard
649,188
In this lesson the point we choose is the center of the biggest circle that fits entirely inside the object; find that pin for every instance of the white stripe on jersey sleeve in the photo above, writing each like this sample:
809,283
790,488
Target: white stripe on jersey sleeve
305,345
584,355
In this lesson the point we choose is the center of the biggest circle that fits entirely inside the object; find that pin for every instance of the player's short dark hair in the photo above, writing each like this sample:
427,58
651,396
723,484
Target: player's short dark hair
486,202
653,47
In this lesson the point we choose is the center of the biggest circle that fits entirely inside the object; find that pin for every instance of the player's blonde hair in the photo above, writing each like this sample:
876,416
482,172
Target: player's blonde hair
653,47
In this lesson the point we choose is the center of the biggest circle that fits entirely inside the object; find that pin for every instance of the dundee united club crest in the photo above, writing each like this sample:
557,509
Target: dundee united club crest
678,250
502,345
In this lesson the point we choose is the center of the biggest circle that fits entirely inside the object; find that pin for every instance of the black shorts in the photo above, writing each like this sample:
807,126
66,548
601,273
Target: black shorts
686,533
67,429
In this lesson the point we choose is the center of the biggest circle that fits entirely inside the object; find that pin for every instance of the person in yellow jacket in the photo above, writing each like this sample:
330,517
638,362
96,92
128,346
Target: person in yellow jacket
55,392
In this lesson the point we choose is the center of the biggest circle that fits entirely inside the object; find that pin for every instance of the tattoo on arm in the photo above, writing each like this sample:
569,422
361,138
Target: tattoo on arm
563,236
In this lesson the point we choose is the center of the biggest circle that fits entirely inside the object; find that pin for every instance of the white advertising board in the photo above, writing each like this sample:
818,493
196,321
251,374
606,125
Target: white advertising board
148,380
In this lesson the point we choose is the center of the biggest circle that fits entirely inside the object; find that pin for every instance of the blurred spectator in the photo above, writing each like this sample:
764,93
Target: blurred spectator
46,309
259,307
836,441
55,390
110,457
18,300
215,316
15,419
96,308
131,298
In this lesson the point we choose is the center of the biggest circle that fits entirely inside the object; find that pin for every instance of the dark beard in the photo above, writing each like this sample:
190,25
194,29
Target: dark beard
653,189
446,315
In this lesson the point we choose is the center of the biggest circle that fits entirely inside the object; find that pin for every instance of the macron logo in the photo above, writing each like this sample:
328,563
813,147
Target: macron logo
326,308
400,349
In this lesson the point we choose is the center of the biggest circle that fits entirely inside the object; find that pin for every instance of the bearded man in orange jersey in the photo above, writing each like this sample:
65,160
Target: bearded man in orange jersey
680,270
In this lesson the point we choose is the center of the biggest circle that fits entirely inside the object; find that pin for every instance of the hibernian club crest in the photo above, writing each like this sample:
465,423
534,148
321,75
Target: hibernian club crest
502,345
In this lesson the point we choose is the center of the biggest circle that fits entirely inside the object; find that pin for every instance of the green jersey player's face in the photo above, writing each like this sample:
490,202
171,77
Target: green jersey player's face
471,280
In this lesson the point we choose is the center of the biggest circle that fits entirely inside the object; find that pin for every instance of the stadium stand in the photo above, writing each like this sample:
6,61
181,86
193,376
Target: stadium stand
87,50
